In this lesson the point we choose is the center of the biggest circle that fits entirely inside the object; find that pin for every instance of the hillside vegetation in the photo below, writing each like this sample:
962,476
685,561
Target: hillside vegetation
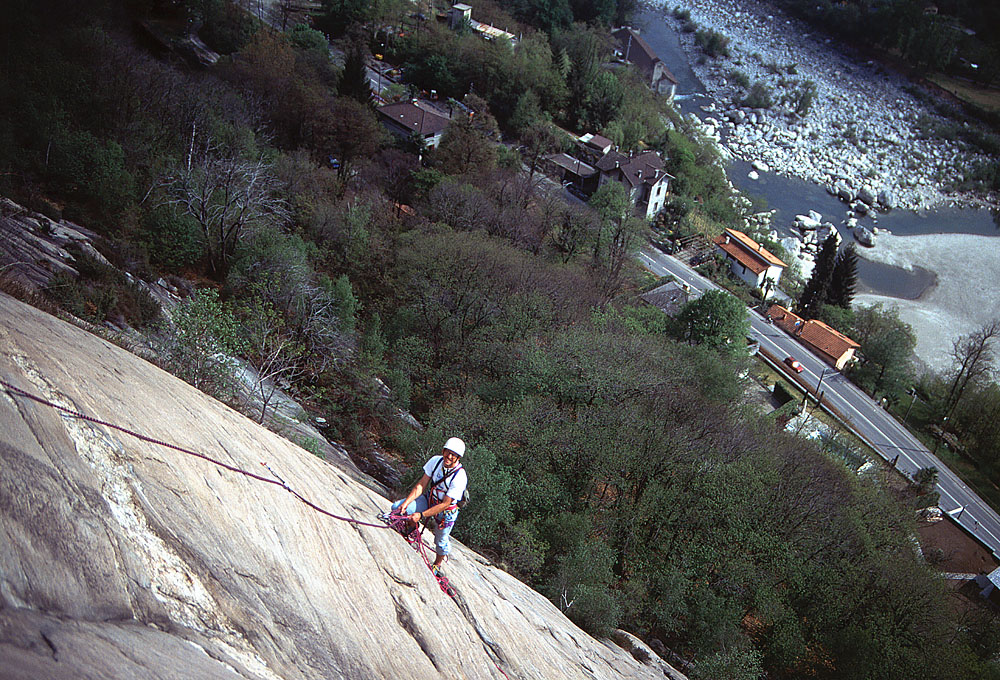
618,470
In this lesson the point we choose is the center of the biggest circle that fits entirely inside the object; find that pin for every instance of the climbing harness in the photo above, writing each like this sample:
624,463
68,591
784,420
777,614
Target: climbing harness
392,520
432,490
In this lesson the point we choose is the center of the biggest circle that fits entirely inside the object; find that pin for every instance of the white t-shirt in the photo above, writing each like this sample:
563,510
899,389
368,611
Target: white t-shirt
454,488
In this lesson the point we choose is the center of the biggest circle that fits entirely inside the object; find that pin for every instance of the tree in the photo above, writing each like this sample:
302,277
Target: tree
886,350
716,319
972,356
230,198
200,345
354,80
275,357
346,131
468,143
618,236
845,278
817,290
539,140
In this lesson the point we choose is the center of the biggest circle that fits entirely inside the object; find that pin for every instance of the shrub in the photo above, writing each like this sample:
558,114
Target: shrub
200,346
102,293
712,43
759,96
681,13
173,240
739,78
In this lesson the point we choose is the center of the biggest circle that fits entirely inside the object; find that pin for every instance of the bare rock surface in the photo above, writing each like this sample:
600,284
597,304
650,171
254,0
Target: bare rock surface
121,558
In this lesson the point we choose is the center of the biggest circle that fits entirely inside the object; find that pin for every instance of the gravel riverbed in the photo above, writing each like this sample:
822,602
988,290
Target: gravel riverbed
861,134
862,130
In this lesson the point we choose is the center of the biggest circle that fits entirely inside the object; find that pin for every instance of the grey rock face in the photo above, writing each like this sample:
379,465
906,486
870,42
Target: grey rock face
125,559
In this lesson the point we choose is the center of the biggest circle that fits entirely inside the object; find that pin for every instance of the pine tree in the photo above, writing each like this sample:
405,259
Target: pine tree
817,291
845,278
354,80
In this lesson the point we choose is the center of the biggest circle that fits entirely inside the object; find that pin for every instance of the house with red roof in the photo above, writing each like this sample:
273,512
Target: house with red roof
749,261
829,344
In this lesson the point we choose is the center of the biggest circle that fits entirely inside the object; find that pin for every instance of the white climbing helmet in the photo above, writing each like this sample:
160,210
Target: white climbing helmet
456,445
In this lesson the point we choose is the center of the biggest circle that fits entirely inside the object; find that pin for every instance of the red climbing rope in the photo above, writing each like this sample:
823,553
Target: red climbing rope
415,538
396,522
278,481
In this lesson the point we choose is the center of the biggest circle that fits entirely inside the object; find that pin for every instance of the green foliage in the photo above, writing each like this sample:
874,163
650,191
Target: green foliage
173,240
345,304
802,97
354,80
716,319
712,43
200,346
740,78
92,169
225,26
102,293
309,40
844,279
734,664
819,289
759,96
581,586
887,344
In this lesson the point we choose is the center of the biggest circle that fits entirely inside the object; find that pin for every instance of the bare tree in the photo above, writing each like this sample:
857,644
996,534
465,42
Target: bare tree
275,356
973,358
230,198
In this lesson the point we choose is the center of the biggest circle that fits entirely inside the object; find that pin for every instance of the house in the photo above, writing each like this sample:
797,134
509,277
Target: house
831,345
749,261
990,585
408,118
461,13
669,298
571,170
595,145
637,52
643,176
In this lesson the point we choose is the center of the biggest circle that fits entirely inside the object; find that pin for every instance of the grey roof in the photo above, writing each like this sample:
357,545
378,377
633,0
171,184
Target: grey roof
646,167
638,50
409,115
669,297
574,165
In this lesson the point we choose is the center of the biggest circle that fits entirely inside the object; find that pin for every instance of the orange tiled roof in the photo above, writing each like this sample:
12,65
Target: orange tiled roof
827,340
815,334
740,255
752,247
784,318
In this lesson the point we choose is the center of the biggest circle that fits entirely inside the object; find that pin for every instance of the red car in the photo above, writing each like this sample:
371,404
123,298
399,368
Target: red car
793,364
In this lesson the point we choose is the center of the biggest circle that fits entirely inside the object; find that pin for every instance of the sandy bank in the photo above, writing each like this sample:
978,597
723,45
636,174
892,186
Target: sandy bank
966,294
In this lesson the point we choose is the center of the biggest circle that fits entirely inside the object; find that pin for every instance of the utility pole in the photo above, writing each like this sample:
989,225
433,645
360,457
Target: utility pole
913,393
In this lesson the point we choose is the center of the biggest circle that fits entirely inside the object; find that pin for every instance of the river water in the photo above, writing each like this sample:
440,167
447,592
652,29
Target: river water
791,196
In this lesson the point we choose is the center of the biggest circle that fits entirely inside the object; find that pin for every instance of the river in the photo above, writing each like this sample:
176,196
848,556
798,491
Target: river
791,196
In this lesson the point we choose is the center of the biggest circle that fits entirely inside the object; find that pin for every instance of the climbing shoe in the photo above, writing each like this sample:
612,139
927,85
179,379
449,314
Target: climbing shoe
437,570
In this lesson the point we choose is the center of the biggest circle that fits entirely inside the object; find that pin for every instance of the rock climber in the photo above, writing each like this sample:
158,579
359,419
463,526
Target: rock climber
437,494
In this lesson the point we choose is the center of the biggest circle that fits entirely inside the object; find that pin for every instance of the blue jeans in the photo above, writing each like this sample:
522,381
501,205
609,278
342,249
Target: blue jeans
444,521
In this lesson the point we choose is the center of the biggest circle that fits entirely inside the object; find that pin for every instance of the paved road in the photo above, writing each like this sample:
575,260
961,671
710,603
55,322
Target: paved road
868,420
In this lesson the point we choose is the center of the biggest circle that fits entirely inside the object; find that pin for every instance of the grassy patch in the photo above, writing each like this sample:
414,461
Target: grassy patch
987,99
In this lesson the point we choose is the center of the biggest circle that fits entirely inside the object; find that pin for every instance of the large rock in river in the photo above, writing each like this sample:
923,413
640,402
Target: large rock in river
125,559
